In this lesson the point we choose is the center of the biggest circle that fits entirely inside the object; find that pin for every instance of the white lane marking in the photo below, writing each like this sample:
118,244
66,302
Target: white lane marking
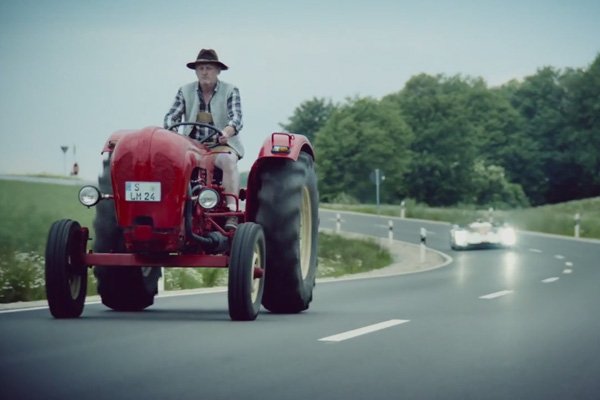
559,257
495,294
13,310
569,264
363,331
567,271
174,293
535,250
34,308
550,280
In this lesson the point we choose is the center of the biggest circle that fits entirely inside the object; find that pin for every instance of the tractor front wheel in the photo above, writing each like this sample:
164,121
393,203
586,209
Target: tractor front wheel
66,275
246,272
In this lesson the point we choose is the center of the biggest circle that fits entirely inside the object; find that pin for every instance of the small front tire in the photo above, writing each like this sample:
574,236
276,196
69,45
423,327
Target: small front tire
246,272
65,272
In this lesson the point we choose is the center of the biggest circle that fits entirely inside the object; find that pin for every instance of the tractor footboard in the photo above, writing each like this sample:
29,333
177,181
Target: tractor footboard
170,260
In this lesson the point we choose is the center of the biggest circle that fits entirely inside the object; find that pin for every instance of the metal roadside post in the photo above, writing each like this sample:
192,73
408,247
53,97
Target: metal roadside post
377,182
423,246
577,221
377,177
64,150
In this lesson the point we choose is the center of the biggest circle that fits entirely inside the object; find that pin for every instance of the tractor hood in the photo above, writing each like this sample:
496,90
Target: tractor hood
150,171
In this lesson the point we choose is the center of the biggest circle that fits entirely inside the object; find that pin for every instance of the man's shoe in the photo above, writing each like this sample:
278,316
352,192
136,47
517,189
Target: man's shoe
231,223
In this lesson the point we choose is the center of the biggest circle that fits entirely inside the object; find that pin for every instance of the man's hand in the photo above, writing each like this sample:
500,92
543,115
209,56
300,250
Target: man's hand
228,132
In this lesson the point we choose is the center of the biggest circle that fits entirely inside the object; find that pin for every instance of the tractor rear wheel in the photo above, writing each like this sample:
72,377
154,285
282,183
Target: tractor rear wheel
66,275
246,272
288,202
120,288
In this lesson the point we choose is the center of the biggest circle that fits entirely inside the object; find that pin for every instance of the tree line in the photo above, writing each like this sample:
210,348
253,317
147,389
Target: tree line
452,140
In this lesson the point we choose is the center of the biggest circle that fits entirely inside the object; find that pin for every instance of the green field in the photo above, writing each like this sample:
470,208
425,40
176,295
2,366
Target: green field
28,209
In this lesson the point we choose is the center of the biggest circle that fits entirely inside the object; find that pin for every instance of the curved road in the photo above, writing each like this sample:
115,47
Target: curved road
493,324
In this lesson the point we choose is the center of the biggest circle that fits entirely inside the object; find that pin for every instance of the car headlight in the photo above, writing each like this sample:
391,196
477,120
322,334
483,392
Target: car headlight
460,238
208,199
508,236
89,195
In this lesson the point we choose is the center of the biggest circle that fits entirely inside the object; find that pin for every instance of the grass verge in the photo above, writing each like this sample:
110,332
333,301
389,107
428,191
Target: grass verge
341,256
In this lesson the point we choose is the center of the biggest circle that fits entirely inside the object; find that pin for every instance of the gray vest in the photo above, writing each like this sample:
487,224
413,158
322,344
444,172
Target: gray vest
218,109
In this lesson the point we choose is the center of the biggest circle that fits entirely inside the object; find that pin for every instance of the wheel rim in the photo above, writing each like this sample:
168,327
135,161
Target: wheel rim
256,263
73,277
305,232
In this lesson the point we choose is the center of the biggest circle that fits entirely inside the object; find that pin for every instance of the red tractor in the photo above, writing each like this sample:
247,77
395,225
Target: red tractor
160,203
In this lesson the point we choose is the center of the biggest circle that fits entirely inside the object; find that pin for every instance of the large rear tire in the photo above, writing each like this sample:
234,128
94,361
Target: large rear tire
288,202
246,272
120,288
66,275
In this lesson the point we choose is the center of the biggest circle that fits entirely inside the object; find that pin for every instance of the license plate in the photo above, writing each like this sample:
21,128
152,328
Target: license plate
142,191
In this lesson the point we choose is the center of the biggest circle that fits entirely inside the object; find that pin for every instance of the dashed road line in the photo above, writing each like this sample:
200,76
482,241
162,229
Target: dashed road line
535,250
495,295
569,269
550,280
559,257
363,331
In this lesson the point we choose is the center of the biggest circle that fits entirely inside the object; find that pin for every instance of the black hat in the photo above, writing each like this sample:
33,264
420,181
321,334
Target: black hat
207,56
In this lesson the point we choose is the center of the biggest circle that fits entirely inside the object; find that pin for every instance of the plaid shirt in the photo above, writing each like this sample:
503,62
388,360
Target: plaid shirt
177,111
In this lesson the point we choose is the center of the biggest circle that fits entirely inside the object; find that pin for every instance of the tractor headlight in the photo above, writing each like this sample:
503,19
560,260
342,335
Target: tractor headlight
208,199
89,196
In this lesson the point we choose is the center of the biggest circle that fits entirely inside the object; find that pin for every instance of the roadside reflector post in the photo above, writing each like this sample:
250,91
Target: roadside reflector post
402,209
423,245
338,223
577,221
161,281
391,231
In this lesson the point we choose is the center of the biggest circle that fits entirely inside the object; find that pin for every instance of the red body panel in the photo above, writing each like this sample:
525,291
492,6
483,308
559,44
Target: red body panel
154,154
139,260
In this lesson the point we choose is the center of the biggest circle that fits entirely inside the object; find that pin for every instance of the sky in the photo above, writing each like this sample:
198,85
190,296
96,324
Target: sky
74,71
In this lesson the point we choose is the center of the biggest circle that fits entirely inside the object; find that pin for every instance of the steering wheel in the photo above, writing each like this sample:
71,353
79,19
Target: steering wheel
215,131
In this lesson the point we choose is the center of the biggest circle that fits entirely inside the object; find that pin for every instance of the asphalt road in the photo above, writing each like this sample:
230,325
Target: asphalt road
492,324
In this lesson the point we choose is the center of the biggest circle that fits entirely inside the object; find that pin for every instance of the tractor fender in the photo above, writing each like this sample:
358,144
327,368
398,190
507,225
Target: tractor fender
274,147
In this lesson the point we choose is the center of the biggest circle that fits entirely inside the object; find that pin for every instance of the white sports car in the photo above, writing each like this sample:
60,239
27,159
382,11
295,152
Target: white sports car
481,234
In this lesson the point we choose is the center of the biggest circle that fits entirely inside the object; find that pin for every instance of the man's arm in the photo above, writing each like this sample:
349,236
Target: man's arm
234,112
176,112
